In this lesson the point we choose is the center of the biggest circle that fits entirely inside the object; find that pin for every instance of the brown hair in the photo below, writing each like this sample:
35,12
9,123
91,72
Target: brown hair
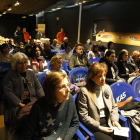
135,53
50,83
94,70
93,47
54,59
119,58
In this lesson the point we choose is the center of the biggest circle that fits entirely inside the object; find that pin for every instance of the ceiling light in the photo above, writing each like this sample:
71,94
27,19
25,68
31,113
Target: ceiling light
0,15
17,4
31,15
9,9
41,12
4,12
23,16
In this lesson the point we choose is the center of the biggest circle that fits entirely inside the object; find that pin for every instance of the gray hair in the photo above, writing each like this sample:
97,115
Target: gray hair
17,57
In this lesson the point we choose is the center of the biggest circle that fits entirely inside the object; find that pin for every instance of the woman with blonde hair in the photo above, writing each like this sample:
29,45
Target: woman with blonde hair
54,116
96,106
55,64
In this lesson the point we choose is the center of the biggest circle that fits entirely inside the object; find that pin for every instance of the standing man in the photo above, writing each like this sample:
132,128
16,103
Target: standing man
60,36
26,35
36,34
19,37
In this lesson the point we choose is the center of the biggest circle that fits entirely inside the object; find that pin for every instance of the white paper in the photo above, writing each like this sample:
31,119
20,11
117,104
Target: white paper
123,132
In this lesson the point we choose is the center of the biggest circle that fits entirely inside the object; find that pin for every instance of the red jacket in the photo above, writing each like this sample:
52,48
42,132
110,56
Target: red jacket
26,36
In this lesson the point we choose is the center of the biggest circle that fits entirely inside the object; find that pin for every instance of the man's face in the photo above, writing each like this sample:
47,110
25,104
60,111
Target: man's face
66,40
47,47
61,29
24,29
88,41
100,44
32,42
79,50
18,28
36,29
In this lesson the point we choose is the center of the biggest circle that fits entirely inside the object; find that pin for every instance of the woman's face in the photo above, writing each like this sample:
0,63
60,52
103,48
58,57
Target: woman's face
99,79
96,49
38,52
137,57
21,66
111,46
57,64
111,58
125,56
62,91
29,50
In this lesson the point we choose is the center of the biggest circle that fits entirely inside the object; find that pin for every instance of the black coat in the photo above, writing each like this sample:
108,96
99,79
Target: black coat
36,35
19,37
64,45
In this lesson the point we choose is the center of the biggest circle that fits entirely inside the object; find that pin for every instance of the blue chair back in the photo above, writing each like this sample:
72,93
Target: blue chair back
122,91
63,67
55,51
62,51
92,60
78,76
86,54
41,78
136,86
5,66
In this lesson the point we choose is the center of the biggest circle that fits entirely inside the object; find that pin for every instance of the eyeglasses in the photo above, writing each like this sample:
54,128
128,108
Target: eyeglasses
64,86
21,63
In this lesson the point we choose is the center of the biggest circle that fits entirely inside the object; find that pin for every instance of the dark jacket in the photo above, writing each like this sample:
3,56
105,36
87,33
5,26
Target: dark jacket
13,88
134,65
122,70
49,54
76,62
101,49
17,49
19,37
109,76
87,47
63,45
36,35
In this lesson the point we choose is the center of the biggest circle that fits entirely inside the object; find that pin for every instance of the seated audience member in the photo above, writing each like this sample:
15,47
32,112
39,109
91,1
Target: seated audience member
11,44
20,86
65,43
74,50
109,46
66,55
37,61
19,48
112,74
87,46
28,51
94,52
48,54
37,42
31,43
135,59
101,48
54,116
55,46
79,59
96,106
5,56
126,70
55,64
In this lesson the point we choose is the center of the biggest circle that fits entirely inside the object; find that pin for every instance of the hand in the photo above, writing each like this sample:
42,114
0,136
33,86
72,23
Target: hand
107,130
132,74
21,105
115,123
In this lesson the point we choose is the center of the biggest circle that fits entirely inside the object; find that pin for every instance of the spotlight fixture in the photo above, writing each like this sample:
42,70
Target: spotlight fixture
23,16
9,9
0,15
4,12
17,4
31,15
41,12
80,2
56,8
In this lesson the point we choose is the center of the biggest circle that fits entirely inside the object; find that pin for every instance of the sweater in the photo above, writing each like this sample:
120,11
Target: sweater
51,123
76,61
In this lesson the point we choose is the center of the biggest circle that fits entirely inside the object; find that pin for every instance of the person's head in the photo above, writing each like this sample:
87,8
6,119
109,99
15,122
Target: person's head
11,41
61,30
18,28
110,45
122,56
32,42
135,55
37,42
110,56
47,46
55,41
100,43
56,62
24,29
4,48
94,48
56,87
79,49
19,62
67,49
21,45
88,41
36,29
37,51
65,39
28,49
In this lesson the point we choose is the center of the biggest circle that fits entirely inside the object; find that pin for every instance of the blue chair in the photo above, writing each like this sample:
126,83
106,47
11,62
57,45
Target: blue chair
80,135
78,76
136,86
41,78
62,51
92,60
63,67
5,66
55,51
121,92
86,54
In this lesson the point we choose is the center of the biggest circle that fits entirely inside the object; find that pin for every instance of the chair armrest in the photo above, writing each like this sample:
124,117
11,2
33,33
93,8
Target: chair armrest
136,100
87,131
80,135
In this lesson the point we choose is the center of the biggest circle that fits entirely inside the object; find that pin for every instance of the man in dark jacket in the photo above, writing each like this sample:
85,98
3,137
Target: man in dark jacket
87,46
36,34
65,43
19,37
